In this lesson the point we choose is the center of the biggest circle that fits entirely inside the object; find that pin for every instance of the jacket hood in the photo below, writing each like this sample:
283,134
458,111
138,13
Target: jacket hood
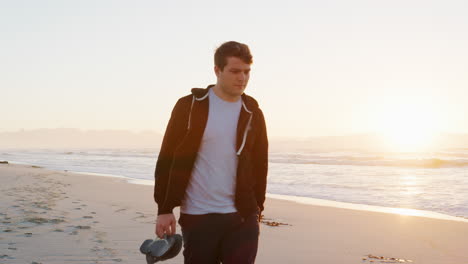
202,93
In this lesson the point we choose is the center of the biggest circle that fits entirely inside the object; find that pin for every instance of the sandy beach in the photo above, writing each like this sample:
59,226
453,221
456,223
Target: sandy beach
62,217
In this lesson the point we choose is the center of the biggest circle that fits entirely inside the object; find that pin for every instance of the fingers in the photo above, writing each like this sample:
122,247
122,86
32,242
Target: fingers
165,225
169,229
159,230
173,227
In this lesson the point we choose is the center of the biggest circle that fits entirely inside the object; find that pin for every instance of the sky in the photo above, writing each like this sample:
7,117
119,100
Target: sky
321,68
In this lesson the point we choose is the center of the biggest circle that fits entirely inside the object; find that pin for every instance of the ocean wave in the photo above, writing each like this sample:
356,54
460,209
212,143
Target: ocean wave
377,161
109,153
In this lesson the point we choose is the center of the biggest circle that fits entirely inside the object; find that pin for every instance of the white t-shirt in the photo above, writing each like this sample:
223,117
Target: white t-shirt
212,186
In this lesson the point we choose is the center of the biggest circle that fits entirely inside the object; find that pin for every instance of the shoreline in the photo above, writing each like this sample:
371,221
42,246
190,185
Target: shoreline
299,199
55,217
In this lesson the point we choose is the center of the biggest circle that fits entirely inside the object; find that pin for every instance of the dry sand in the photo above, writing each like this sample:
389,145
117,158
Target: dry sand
61,217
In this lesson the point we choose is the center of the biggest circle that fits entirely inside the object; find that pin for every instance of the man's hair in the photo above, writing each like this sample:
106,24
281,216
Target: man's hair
232,49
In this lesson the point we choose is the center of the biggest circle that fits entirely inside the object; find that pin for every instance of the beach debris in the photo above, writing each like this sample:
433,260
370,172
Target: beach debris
382,259
28,234
36,167
3,162
264,220
272,223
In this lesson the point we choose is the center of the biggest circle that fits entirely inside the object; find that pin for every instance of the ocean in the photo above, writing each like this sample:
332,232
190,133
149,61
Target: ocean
432,181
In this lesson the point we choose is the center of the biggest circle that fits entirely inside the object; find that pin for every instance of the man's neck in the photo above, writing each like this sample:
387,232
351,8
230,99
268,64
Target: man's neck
226,97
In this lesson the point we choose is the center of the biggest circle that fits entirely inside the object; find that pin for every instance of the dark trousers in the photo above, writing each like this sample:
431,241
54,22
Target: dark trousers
219,238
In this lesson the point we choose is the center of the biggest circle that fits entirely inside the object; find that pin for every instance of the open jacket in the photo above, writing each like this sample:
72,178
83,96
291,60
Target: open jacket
182,141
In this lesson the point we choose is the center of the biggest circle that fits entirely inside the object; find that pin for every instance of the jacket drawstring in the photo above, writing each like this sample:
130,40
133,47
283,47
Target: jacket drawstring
244,139
190,113
191,107
247,128
245,136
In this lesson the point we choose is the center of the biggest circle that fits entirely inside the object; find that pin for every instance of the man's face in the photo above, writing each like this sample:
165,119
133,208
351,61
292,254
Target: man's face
234,77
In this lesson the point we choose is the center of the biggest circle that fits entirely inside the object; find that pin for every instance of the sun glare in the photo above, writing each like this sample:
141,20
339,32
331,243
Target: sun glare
408,127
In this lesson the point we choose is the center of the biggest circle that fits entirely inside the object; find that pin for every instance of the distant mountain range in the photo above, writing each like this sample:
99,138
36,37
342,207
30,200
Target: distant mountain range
76,138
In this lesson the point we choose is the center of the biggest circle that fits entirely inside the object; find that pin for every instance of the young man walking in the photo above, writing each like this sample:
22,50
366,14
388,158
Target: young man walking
213,163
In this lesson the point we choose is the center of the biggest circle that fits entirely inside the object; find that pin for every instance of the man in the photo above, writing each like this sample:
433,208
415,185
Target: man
213,163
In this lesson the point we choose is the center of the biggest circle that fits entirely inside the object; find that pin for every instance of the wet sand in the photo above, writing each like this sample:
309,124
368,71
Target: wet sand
62,217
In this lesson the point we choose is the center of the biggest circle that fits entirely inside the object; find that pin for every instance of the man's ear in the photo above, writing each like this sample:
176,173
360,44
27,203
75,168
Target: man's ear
217,70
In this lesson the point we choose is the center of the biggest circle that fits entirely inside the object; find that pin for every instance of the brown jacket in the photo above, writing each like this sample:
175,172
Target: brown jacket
181,144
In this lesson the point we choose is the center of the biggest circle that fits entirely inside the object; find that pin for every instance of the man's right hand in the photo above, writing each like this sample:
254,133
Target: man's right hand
165,224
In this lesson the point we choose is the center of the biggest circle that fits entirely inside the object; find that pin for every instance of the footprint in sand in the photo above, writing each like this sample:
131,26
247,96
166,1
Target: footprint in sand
28,234
83,227
6,257
120,210
87,216
95,249
140,215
